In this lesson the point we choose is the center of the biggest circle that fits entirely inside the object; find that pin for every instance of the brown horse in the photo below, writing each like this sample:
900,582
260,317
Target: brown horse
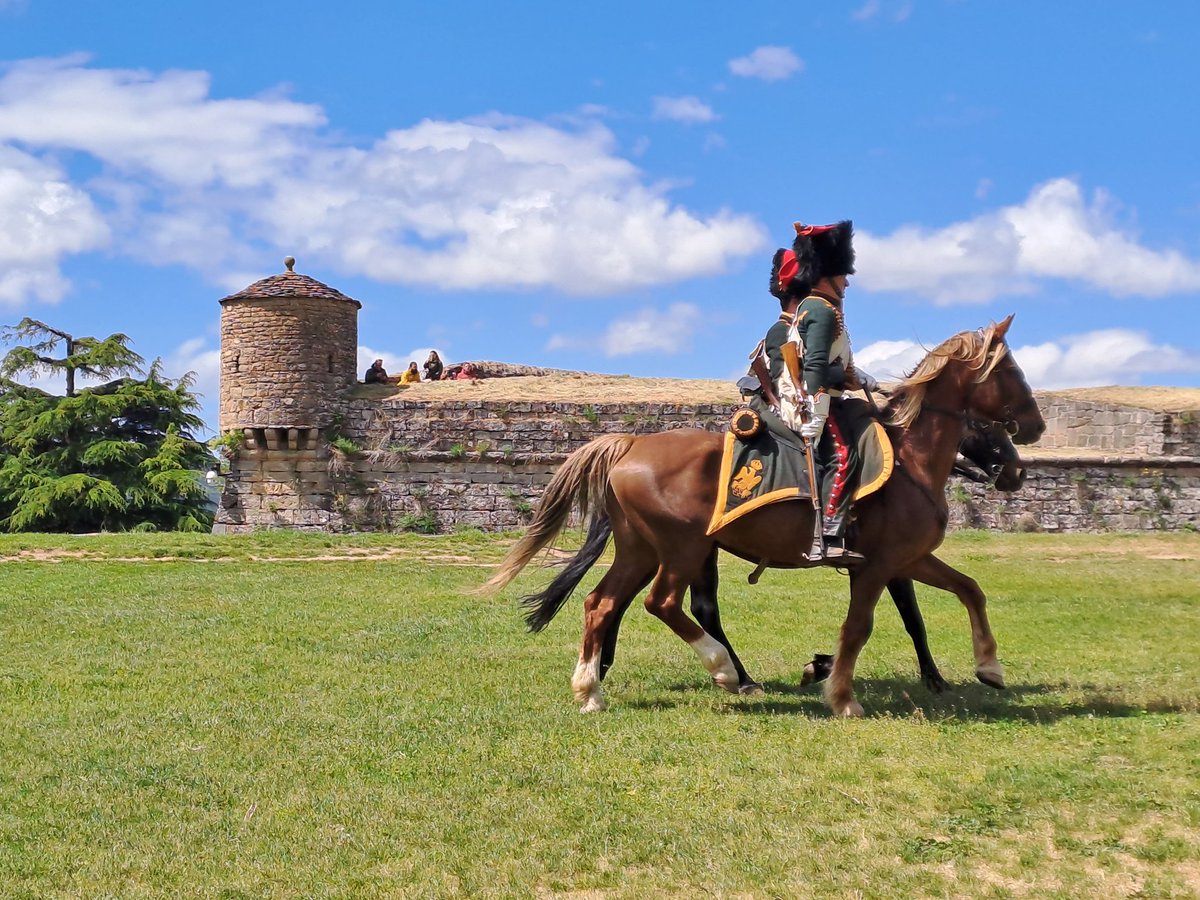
659,491
987,457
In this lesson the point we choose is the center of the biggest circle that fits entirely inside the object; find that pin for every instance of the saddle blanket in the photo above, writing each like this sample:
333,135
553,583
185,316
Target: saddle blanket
770,467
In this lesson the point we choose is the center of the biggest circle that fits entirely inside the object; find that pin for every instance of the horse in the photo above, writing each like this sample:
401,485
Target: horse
985,456
659,491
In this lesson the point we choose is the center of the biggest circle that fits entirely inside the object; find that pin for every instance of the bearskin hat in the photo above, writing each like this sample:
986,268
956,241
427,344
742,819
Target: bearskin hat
824,251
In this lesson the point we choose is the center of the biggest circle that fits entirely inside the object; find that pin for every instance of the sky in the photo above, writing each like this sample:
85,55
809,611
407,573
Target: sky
601,186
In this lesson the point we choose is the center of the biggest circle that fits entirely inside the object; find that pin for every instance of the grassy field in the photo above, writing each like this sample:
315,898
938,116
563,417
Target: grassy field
286,715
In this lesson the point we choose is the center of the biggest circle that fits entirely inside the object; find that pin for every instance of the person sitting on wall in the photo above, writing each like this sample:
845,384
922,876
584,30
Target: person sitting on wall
377,374
411,375
466,372
433,366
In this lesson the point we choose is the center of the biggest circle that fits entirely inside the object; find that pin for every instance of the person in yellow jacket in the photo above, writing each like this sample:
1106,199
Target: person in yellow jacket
411,375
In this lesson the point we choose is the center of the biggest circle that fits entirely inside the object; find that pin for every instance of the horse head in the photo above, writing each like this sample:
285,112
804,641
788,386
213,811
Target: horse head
1000,392
987,446
971,376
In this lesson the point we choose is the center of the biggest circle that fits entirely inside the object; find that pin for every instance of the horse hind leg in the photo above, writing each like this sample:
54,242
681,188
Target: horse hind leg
602,611
665,601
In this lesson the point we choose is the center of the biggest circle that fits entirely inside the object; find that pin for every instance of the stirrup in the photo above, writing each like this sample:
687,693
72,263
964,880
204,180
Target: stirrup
834,555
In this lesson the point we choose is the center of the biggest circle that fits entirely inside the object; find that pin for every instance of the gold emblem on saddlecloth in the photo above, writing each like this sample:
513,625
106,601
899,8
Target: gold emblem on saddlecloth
747,479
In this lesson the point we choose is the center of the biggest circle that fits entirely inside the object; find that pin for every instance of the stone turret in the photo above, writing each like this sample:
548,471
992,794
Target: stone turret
289,347
288,353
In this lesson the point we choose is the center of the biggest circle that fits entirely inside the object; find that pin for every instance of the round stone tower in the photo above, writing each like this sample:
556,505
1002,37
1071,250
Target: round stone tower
288,353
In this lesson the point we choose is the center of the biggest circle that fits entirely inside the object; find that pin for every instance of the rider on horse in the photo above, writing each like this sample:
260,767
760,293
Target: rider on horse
810,283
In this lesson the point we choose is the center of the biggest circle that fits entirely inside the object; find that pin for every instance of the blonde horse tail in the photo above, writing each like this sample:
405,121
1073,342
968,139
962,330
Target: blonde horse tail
581,481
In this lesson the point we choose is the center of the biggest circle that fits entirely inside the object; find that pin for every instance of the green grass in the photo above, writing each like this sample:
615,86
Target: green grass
231,716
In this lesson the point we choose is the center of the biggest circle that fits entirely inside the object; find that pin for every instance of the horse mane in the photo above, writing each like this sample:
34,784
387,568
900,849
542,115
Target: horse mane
974,348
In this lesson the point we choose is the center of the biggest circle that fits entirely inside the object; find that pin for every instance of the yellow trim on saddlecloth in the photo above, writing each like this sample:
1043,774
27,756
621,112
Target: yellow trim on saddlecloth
889,462
719,520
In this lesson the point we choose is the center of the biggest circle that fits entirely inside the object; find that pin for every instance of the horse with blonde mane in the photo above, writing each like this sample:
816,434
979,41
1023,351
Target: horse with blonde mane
659,491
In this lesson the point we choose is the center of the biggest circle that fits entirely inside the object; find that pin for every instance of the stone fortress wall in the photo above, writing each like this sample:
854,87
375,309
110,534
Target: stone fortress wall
319,452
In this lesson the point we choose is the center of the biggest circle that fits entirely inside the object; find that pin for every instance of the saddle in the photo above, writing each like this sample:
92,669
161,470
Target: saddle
765,464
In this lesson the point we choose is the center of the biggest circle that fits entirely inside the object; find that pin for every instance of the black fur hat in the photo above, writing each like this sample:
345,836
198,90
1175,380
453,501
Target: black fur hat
823,251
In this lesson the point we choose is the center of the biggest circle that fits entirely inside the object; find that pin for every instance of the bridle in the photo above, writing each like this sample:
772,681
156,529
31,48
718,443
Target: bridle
971,418
968,418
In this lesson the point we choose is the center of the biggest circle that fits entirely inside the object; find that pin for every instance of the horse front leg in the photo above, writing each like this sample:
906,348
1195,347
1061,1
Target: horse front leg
905,598
932,571
865,587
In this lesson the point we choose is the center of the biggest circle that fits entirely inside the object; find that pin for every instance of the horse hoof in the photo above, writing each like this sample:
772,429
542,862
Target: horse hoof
751,689
992,675
935,683
817,670
726,684
593,704
852,710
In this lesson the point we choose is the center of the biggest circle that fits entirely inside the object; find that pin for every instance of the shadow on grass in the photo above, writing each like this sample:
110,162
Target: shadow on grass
964,702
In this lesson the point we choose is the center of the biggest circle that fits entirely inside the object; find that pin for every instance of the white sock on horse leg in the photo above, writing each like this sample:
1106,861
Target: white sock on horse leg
715,658
586,684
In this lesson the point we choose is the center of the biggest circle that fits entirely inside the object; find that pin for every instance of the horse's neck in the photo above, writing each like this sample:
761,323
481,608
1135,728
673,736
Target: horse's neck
930,444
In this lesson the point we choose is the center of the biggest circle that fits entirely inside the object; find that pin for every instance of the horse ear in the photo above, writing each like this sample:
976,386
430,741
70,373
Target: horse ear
1002,328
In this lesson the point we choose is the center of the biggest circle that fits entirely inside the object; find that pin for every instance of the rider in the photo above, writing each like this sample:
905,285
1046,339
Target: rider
825,259
810,283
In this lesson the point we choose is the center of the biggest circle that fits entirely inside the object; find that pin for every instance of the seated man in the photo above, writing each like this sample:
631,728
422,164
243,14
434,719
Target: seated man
376,374
411,375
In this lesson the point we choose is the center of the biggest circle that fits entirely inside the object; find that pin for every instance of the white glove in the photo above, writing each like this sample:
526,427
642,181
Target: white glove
867,381
817,408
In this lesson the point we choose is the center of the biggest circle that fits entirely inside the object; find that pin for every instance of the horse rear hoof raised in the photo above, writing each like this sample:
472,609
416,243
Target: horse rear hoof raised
992,675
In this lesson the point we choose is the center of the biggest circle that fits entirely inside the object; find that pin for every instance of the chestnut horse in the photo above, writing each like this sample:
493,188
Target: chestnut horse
986,456
659,491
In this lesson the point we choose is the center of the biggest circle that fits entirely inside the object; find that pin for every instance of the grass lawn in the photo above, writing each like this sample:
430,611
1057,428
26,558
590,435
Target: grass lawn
289,715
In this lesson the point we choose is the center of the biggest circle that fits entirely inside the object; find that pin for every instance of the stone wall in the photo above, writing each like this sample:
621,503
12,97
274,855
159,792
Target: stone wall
1085,424
434,467
1086,495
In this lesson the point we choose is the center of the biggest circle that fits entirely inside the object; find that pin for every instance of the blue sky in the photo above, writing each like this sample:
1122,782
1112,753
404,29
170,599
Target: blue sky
601,186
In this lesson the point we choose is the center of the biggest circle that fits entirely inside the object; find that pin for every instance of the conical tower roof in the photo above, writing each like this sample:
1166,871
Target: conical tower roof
290,284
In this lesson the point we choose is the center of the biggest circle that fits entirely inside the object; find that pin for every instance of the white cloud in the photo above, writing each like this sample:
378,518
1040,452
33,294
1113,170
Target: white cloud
897,12
652,331
1055,233
889,360
768,63
165,125
195,356
214,183
43,219
868,10
1109,356
690,110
